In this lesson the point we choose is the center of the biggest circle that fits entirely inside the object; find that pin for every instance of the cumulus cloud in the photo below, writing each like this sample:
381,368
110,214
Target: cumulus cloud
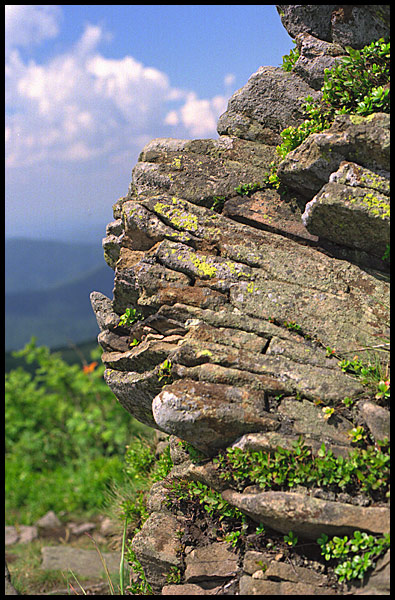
80,105
27,24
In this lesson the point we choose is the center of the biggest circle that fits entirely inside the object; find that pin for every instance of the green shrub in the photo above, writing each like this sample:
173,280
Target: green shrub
354,557
290,59
358,83
65,435
365,470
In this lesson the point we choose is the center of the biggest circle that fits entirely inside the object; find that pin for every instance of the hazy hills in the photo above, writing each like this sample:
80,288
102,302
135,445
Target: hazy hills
47,291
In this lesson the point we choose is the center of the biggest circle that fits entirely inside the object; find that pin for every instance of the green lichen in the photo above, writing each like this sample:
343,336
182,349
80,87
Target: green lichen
376,206
358,119
179,218
206,269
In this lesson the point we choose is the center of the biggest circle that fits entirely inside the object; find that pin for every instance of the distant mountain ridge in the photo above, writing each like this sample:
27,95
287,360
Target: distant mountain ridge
57,311
37,264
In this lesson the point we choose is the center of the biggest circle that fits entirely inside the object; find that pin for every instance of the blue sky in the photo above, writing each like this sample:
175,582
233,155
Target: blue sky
87,86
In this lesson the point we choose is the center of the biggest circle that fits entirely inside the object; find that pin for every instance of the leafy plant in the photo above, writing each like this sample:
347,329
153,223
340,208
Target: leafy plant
358,83
291,539
129,317
165,370
365,470
292,325
246,189
354,556
218,203
64,429
290,59
387,254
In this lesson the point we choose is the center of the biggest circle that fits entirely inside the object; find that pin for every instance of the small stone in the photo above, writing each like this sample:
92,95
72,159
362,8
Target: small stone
11,535
258,574
27,533
49,520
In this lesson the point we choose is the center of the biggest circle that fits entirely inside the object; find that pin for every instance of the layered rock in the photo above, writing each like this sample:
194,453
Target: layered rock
240,298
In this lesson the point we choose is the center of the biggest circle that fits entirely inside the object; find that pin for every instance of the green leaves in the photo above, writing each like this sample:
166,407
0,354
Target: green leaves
290,59
354,556
63,426
129,317
358,83
365,471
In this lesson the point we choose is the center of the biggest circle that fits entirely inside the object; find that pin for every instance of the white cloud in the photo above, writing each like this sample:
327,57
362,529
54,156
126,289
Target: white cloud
229,79
198,116
27,24
81,105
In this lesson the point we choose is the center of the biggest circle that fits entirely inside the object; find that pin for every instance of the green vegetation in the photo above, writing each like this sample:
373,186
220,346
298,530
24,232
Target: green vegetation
290,59
65,435
129,317
165,370
357,84
365,470
355,556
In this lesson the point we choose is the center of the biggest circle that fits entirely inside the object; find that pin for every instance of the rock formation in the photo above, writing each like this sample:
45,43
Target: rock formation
239,298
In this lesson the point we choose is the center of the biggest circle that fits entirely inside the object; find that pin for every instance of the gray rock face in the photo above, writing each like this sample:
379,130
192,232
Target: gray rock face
363,140
245,301
308,516
352,215
315,56
348,25
270,101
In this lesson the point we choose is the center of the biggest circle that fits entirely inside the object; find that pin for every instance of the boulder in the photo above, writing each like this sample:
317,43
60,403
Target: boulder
363,140
270,101
156,547
308,516
349,25
355,213
315,56
248,297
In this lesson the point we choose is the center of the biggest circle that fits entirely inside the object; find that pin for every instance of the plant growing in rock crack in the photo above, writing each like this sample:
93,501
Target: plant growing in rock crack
290,59
358,83
129,317
355,556
165,370
363,471
291,539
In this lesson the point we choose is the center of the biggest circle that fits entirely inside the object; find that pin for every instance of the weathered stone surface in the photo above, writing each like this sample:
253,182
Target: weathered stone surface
252,300
378,581
86,563
156,546
270,101
134,392
255,587
377,418
356,216
364,140
103,309
188,589
311,18
210,415
315,56
308,421
199,170
49,520
213,562
308,516
349,25
359,25
280,570
267,210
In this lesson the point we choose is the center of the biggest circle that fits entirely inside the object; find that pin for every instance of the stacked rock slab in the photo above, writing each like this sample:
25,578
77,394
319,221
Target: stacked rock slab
243,303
